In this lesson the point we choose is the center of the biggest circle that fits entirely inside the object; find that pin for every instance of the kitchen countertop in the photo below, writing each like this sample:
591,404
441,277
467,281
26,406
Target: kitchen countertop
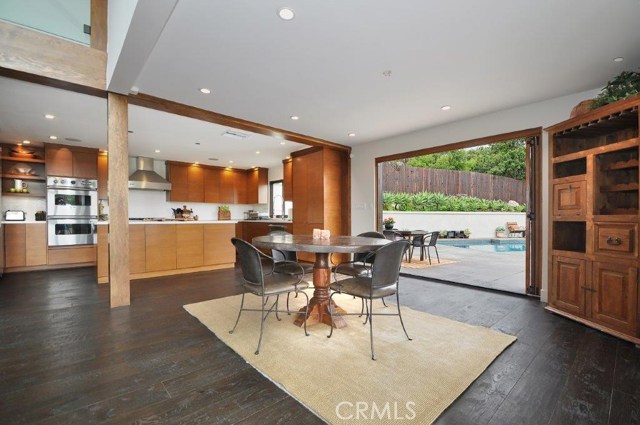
23,222
177,222
271,220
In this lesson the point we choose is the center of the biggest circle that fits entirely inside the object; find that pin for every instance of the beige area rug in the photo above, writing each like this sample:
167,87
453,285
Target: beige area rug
417,264
410,382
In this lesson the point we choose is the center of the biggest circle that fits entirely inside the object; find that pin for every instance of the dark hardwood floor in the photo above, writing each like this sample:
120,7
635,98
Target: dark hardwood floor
67,358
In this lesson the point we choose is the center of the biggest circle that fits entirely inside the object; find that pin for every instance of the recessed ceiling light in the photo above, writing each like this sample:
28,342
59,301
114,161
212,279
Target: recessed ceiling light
286,14
53,137
26,142
49,116
295,117
287,157
352,134
253,166
157,150
257,152
618,59
205,90
282,143
446,107
230,162
19,144
196,163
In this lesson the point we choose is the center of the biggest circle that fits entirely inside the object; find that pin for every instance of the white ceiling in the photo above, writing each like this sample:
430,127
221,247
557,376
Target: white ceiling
82,117
327,64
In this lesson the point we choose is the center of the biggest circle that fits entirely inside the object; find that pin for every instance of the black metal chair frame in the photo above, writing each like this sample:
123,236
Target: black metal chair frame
258,287
426,241
337,289
284,258
361,261
394,235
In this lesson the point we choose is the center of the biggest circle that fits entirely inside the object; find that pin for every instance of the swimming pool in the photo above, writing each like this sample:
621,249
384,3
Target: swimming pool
487,245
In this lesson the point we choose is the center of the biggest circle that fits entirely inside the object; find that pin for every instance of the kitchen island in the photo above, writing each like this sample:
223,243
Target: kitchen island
164,248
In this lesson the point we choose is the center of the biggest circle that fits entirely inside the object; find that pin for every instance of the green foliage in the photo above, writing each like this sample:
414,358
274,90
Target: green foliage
624,85
429,201
505,159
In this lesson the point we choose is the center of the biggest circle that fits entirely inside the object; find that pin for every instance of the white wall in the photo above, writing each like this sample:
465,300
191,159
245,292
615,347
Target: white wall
534,115
481,224
119,15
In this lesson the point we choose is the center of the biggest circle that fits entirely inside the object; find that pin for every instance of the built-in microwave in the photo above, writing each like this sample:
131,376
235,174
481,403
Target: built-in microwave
72,231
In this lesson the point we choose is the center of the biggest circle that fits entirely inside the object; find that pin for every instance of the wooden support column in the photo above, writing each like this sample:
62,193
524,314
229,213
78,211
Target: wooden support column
118,142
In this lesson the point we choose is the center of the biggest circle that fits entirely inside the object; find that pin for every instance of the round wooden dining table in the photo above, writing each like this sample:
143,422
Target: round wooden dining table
318,311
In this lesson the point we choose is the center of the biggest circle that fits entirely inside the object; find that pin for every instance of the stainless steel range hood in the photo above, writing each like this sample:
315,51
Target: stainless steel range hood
144,178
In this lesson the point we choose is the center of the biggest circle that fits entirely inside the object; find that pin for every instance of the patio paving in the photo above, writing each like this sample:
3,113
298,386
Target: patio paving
501,271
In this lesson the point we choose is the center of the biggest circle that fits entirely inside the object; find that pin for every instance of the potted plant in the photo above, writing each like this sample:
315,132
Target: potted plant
467,233
224,213
624,85
501,232
444,233
388,223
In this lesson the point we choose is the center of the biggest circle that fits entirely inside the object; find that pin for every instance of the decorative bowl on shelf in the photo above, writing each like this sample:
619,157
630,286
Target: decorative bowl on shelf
22,170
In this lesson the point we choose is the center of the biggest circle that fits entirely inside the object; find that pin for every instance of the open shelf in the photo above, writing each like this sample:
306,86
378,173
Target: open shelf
626,187
28,194
23,177
570,168
621,165
570,236
21,159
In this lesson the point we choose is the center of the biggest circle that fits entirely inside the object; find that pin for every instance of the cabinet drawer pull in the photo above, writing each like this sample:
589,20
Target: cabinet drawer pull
588,289
614,241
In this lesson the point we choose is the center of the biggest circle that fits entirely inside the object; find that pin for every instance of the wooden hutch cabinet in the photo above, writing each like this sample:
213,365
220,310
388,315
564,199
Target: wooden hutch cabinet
594,219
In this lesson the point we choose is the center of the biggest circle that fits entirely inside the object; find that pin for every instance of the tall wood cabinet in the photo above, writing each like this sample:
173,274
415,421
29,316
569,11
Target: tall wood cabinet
594,219
71,161
320,179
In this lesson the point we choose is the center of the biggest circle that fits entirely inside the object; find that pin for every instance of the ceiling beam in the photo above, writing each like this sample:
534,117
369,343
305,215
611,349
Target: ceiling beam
176,108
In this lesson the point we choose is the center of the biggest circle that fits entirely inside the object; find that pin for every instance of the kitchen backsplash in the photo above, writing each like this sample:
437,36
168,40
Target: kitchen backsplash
28,205
154,204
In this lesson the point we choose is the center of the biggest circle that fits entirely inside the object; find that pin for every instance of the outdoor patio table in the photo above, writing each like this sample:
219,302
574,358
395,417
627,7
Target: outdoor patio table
319,304
409,235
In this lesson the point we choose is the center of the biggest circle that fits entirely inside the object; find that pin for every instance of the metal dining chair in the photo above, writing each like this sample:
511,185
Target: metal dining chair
287,262
425,243
264,285
383,282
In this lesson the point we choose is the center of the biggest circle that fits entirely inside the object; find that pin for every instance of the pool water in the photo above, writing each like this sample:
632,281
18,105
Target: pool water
487,245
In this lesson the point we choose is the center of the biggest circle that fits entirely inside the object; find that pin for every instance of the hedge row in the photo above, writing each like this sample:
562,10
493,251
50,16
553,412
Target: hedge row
429,201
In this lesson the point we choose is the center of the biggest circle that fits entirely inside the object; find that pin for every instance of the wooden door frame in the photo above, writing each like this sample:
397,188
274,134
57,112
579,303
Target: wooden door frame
533,269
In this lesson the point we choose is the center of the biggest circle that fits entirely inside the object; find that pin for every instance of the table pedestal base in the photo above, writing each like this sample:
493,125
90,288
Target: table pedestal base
319,313
319,304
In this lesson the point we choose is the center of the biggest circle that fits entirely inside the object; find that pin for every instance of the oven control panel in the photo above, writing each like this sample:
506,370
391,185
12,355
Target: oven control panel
71,183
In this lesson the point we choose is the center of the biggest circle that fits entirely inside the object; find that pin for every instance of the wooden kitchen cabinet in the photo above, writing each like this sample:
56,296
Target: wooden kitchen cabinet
71,161
137,249
217,247
240,186
160,247
569,281
15,242
287,179
103,176
189,245
257,186
570,198
25,244
103,253
178,174
614,296
195,184
212,185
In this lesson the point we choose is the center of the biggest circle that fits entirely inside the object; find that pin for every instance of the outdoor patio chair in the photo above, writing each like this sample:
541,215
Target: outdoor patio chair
264,285
394,235
383,281
515,230
425,243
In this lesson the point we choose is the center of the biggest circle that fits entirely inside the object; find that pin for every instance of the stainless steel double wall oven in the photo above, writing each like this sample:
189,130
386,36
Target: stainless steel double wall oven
72,211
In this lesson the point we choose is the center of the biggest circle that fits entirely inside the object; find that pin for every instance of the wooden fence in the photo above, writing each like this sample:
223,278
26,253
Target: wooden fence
403,178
